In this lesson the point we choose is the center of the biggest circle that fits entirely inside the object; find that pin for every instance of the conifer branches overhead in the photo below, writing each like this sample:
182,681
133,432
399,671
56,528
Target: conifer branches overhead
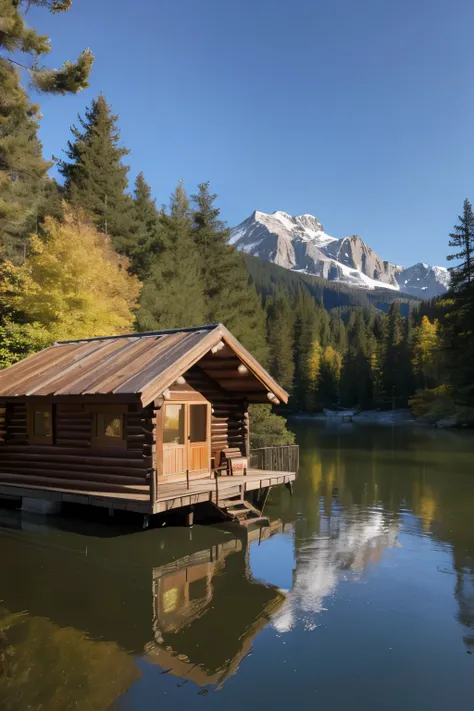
16,36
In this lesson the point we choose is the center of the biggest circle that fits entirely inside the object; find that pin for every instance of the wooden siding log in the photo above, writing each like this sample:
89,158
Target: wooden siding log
8,462
95,455
83,485
67,474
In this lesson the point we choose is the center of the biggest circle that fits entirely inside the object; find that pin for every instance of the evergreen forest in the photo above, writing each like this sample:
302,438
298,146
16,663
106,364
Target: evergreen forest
92,254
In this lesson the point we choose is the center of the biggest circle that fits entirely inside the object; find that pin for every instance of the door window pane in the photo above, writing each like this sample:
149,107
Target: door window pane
173,432
198,423
42,424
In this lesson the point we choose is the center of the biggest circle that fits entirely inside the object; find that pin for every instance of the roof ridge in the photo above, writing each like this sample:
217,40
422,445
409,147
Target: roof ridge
143,334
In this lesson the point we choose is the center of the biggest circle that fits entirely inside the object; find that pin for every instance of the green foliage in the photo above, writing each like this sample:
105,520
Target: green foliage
173,294
280,340
229,297
16,37
147,239
459,312
23,170
433,404
95,178
17,341
268,429
26,193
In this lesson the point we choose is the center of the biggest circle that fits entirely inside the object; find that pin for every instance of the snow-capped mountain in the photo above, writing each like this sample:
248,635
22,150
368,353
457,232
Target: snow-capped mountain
424,281
300,243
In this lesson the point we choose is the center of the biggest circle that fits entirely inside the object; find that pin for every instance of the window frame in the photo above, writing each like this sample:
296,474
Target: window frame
104,440
170,403
32,409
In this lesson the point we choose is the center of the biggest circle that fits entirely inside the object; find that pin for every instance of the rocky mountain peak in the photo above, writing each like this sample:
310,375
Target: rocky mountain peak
300,243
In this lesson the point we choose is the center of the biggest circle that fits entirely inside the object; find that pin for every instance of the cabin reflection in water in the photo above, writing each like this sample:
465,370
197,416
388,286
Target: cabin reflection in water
200,597
136,596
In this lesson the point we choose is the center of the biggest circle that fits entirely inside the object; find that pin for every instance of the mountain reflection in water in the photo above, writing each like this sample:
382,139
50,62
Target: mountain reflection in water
366,575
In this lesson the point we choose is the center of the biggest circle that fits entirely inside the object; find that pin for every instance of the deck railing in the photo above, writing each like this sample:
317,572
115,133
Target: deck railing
285,458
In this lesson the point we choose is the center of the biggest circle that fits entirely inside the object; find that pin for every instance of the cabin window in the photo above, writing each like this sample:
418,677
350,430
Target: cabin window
40,424
198,423
173,430
109,427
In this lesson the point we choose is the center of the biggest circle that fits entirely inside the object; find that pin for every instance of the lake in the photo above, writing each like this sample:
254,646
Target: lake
360,595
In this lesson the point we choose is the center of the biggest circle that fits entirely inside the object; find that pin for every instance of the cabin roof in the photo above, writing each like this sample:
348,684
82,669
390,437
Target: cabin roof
138,366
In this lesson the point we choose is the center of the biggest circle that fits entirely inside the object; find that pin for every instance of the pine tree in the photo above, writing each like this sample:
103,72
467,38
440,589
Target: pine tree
25,190
23,170
229,297
306,331
462,239
16,37
362,365
459,304
280,341
392,349
338,334
324,328
173,295
95,177
147,230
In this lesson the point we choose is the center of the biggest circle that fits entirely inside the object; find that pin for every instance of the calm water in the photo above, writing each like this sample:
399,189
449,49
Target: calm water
362,598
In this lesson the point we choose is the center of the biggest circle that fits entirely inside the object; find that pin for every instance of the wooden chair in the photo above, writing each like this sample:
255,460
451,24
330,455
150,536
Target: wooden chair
231,462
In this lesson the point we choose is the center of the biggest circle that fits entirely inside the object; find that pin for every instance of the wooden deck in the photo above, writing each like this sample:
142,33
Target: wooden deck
170,496
176,495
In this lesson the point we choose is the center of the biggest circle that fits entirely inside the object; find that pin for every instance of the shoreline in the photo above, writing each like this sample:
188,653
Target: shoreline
353,416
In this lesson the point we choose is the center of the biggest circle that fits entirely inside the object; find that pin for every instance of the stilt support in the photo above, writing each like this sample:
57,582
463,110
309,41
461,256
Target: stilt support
146,521
190,516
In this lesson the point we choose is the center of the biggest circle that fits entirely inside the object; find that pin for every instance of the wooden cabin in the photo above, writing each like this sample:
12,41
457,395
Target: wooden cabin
139,422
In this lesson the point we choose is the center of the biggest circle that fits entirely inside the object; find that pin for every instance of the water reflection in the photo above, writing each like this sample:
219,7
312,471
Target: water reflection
368,485
341,549
82,608
377,544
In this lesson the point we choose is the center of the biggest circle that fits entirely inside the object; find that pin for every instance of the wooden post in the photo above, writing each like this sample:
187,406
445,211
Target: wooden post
190,516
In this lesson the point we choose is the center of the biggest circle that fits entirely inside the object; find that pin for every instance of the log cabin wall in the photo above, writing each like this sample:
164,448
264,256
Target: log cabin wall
229,420
71,461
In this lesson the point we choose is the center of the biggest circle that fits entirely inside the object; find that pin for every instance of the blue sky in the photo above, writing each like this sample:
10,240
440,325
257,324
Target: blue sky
360,113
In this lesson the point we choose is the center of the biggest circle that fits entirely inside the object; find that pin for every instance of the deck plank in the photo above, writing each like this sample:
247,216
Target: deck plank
170,495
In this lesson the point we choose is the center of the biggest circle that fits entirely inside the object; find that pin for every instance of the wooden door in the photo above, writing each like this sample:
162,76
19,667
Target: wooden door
186,439
199,445
174,438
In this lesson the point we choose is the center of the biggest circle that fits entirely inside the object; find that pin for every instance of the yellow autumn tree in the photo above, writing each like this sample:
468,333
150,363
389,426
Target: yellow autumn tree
72,285
333,360
313,374
426,352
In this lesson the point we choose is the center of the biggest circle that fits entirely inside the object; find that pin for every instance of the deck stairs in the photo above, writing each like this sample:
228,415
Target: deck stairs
232,504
